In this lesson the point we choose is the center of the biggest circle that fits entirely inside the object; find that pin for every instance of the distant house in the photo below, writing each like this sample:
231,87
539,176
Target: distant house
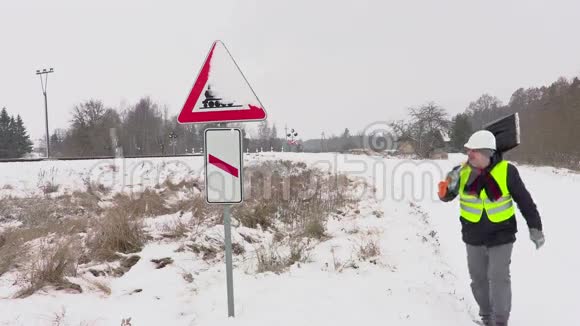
438,154
406,145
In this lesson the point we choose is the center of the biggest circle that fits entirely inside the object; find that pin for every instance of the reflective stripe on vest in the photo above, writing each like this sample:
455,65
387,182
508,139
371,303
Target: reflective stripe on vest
472,207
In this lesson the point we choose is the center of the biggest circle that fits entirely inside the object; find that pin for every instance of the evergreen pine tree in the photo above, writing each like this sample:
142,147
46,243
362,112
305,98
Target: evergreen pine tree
11,139
460,131
22,139
4,123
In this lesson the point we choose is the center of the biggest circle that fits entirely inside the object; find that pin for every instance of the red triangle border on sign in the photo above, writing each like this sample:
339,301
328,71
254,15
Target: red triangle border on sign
187,115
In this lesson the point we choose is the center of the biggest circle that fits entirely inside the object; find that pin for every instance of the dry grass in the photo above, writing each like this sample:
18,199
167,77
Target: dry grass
182,185
368,248
284,194
61,227
289,192
53,264
13,251
294,202
46,181
30,211
175,229
315,228
37,211
14,242
113,230
86,202
284,197
93,187
340,266
202,215
49,188
269,258
199,208
99,285
144,204
299,252
117,231
257,215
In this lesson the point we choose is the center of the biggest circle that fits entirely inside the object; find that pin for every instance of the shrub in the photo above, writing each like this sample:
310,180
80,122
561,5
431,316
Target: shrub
117,231
369,248
51,267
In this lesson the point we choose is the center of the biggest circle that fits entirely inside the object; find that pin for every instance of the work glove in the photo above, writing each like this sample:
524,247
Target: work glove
537,237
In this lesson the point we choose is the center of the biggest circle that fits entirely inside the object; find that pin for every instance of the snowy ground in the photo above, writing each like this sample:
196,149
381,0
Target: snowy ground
419,279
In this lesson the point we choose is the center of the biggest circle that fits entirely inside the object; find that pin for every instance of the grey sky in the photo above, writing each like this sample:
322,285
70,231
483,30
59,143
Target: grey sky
316,65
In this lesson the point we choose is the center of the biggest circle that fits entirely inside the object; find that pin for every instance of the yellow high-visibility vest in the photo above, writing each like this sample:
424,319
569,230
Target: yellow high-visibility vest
472,207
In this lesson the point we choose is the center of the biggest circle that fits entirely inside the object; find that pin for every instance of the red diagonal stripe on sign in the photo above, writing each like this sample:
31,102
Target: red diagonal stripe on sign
223,165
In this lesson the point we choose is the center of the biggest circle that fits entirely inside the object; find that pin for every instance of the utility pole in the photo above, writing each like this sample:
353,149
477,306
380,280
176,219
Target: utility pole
44,85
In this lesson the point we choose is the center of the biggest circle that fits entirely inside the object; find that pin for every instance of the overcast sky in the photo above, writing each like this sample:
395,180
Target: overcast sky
315,65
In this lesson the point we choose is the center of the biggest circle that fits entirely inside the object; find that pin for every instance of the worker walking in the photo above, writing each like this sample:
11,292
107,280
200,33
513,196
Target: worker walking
487,187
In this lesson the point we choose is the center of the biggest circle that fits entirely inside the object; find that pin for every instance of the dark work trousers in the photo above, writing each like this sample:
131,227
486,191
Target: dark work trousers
489,269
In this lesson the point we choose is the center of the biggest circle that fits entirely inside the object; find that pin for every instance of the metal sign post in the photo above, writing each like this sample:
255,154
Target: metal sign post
229,264
223,168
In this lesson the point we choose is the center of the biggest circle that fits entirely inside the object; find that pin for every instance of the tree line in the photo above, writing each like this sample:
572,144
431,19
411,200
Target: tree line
549,120
549,124
14,139
143,129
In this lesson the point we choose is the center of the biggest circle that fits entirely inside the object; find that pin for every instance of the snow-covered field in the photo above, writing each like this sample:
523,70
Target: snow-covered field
420,277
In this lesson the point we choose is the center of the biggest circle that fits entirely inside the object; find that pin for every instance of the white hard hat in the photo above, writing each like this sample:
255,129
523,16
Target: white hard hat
482,139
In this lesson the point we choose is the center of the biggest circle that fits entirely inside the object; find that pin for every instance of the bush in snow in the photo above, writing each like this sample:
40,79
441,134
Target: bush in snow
54,262
284,193
144,204
12,251
117,231
368,248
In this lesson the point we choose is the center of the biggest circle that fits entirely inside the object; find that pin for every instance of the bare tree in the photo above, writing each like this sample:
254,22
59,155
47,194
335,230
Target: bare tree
485,109
143,127
401,129
89,133
427,123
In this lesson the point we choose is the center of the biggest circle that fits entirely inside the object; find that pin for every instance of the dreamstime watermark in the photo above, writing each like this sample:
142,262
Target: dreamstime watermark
379,173
383,179
377,137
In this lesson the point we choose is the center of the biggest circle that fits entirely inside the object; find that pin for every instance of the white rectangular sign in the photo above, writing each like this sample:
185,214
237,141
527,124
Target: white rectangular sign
223,166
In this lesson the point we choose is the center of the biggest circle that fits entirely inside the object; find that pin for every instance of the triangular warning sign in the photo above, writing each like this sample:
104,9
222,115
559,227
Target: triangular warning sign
221,93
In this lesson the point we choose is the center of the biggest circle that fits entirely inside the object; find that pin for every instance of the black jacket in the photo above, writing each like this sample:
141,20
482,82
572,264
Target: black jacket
492,234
